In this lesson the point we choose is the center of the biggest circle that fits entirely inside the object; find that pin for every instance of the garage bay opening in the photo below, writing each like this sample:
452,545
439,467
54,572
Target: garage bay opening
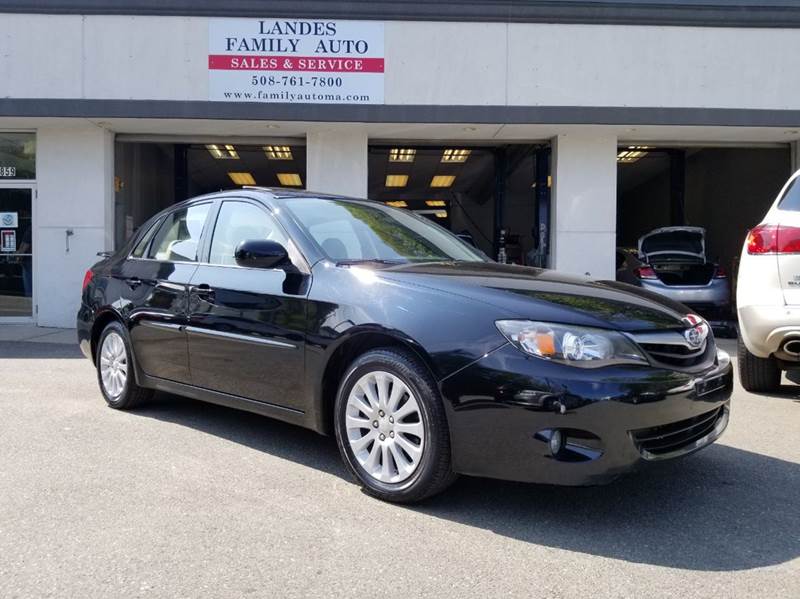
683,214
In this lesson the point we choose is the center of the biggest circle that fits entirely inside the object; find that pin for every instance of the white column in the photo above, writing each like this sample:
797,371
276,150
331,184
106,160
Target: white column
74,176
585,204
337,161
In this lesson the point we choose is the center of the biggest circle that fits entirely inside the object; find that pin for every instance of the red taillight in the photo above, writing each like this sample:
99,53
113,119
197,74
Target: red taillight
87,278
721,273
788,240
645,272
773,239
762,240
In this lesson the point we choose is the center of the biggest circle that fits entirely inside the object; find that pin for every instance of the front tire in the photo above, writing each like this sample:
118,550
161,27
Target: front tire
391,428
115,369
758,375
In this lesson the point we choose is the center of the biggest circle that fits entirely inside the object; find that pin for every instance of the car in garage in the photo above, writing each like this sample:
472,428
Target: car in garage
672,261
422,357
768,294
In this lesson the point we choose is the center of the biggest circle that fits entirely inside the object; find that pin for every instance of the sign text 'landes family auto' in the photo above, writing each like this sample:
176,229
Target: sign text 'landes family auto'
326,61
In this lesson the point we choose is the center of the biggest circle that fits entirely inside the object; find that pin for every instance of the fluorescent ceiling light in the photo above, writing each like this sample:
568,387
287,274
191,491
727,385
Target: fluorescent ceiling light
442,180
278,152
223,152
397,204
453,155
402,154
242,178
436,213
632,154
396,180
435,203
290,179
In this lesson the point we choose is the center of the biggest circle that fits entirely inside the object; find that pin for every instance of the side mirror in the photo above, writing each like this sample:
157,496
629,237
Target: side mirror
261,253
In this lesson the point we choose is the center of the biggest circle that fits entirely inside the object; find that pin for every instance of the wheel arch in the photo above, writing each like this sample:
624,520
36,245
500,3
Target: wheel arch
345,352
101,321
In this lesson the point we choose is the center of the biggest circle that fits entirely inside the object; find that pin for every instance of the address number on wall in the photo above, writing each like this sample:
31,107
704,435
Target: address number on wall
8,171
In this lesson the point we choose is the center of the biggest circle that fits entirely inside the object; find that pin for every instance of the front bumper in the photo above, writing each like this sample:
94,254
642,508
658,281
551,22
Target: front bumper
503,409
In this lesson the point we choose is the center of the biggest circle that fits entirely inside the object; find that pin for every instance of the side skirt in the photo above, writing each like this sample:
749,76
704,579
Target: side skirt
290,415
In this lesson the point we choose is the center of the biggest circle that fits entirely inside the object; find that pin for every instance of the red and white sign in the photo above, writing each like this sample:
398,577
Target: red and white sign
295,61
8,240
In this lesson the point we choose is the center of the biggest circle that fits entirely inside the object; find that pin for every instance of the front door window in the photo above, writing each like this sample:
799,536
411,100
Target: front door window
16,253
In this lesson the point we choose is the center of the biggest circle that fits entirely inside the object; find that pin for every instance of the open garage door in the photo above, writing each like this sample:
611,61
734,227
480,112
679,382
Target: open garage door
497,198
683,214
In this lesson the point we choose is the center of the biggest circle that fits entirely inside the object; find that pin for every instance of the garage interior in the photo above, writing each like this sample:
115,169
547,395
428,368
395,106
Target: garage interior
725,190
150,176
494,197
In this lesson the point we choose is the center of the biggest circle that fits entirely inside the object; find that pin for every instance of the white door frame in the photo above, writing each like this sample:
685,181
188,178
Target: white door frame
26,184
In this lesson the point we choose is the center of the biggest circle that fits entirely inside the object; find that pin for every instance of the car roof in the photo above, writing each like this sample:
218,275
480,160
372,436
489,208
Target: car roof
283,193
269,196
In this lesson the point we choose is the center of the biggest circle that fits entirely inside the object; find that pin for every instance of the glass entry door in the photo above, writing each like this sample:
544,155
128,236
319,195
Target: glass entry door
16,253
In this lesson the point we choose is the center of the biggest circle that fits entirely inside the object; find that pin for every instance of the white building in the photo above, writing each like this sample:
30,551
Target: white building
586,124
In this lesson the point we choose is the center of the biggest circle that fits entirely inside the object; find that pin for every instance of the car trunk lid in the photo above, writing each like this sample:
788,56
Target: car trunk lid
677,256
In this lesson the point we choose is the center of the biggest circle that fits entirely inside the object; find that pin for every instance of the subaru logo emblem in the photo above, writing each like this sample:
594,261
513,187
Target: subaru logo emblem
697,332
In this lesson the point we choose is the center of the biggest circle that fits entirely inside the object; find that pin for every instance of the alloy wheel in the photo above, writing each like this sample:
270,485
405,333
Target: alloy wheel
384,427
113,364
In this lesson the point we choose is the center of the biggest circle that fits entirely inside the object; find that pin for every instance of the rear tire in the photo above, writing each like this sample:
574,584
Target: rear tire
758,375
391,428
115,372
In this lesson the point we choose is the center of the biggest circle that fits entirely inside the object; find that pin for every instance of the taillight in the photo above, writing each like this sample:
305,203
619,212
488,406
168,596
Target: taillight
773,239
720,273
87,278
645,272
788,240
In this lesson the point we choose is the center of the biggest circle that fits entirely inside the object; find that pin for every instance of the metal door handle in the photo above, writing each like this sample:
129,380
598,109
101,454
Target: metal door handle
133,282
205,291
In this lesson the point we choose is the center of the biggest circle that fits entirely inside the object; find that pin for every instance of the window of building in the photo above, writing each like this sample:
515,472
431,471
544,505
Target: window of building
17,156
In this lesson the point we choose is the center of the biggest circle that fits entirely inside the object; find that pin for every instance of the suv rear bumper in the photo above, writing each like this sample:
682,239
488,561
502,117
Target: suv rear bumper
765,328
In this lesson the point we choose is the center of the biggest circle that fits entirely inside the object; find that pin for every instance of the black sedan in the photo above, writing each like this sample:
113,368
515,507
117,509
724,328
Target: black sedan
423,358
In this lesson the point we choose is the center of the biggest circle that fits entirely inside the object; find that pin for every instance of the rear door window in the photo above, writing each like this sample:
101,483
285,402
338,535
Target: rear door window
140,248
178,237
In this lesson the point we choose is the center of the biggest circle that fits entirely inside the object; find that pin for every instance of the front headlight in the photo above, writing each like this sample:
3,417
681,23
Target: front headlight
576,346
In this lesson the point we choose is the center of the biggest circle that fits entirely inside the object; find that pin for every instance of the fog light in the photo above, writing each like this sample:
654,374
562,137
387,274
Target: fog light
556,442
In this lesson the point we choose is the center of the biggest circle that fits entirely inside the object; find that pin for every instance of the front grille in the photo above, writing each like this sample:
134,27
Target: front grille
670,348
668,438
676,355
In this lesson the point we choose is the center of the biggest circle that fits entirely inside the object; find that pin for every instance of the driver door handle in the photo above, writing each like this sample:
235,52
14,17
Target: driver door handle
203,291
133,282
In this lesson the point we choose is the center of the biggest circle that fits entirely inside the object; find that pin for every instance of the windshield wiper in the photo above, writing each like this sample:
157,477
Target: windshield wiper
350,261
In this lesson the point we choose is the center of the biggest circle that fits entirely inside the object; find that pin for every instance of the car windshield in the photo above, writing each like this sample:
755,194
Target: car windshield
353,231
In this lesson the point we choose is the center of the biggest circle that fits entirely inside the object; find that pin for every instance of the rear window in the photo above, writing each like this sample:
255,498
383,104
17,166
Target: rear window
791,199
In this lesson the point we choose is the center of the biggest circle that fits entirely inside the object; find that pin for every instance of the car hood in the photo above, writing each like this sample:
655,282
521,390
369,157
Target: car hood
546,295
673,242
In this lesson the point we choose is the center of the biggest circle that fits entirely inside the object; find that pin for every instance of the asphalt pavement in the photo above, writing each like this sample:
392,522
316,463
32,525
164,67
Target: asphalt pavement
184,499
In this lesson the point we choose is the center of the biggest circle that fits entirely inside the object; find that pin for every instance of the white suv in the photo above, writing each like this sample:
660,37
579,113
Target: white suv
768,294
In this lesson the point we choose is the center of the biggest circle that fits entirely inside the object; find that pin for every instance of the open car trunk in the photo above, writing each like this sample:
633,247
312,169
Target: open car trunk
677,255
